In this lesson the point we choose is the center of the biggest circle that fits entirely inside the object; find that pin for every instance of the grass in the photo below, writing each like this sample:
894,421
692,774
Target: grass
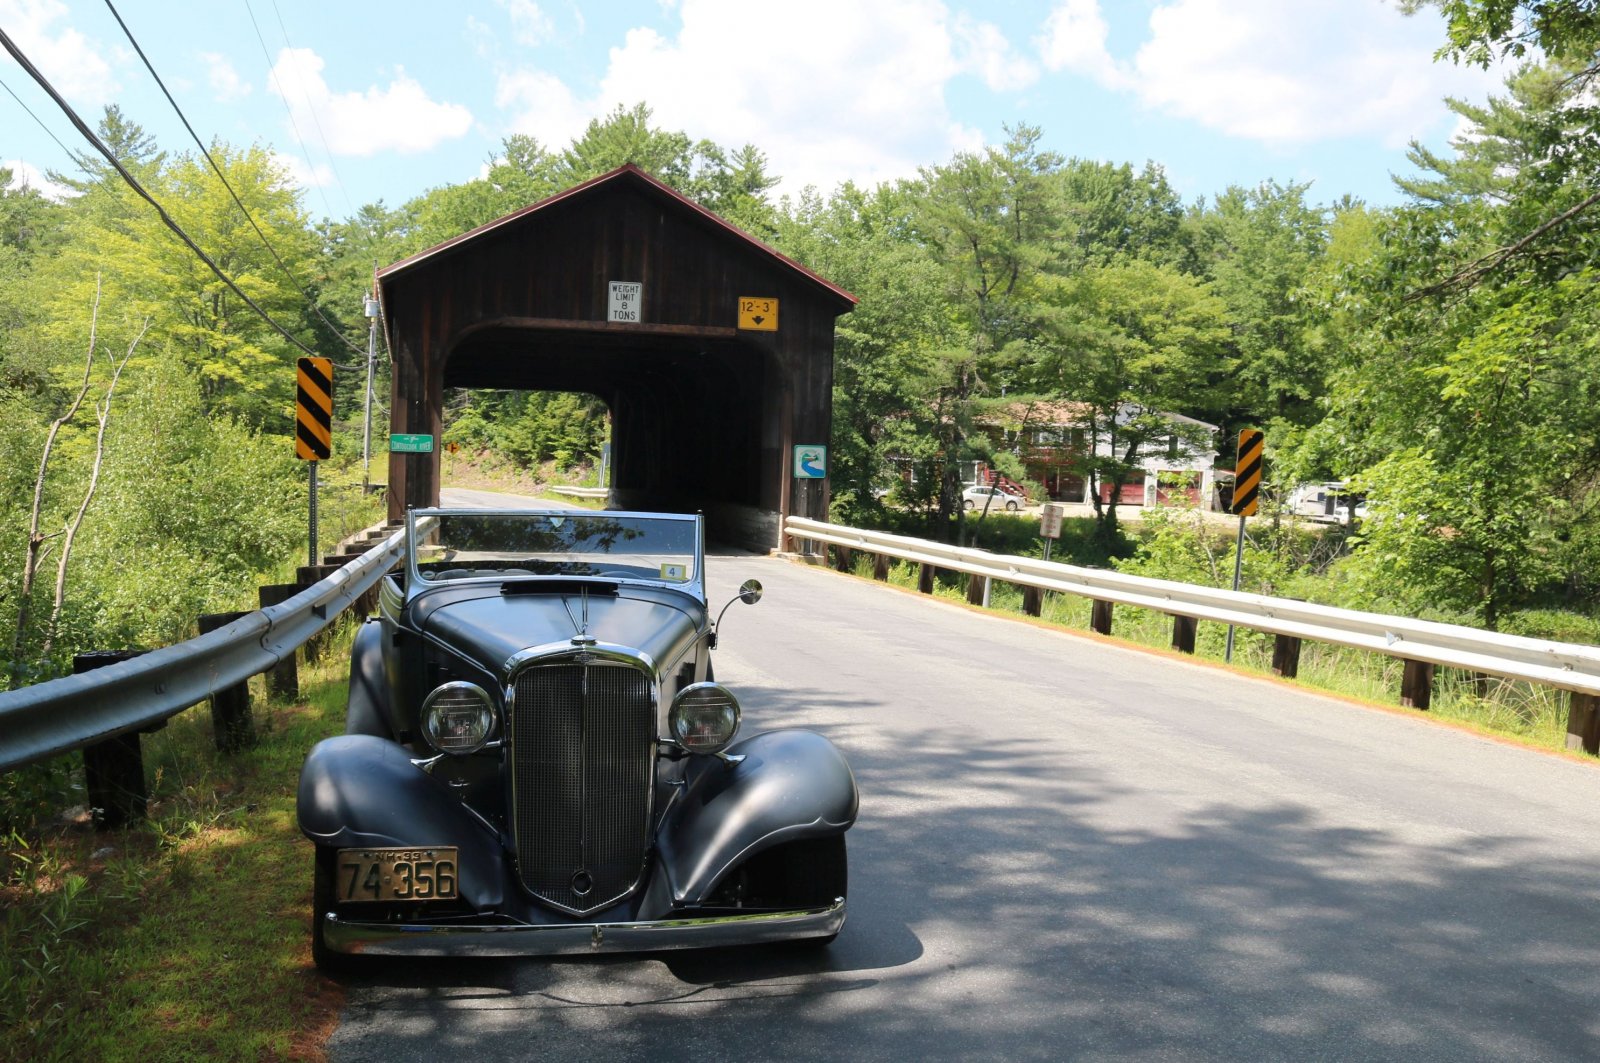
1524,712
184,937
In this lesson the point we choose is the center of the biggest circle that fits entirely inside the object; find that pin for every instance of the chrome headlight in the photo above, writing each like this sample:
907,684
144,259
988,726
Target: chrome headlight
457,718
704,717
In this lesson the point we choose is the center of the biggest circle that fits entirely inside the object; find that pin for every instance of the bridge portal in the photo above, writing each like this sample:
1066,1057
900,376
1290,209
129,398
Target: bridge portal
625,289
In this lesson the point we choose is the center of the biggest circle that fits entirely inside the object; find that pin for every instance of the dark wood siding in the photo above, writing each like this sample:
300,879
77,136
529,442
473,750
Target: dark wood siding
704,414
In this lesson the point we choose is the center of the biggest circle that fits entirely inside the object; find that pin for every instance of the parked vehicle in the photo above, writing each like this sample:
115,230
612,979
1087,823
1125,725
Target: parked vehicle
978,495
1329,502
538,759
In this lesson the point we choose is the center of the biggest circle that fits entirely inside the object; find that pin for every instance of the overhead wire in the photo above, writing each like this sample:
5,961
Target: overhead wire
47,130
283,97
310,300
315,120
94,140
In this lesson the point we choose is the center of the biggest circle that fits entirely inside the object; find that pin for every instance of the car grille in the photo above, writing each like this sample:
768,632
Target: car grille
583,743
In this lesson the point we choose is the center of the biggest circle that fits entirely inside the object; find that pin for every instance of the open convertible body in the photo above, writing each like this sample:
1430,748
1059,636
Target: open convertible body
538,761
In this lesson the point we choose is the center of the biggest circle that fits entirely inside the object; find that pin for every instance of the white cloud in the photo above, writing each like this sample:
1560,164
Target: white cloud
226,84
1276,73
399,117
70,60
545,108
1075,39
830,90
530,26
26,175
985,51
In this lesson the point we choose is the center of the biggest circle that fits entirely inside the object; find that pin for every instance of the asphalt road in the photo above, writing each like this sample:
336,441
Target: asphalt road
1068,850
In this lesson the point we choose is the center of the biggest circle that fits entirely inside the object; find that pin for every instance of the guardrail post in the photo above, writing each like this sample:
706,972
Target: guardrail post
842,558
1032,601
1416,686
231,727
925,577
1183,628
1285,656
978,590
307,575
113,770
1583,723
1100,617
880,567
284,680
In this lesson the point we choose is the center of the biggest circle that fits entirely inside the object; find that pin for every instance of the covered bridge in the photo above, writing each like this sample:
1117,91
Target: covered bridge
713,352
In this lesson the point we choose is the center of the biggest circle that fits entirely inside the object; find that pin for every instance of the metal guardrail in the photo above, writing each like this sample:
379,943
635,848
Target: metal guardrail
1568,666
79,710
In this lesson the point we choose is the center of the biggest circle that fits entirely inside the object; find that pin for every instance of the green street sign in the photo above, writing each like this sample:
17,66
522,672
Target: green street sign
411,444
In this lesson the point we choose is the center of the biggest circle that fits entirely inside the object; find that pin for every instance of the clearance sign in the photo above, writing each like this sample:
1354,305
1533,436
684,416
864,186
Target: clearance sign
313,409
1247,472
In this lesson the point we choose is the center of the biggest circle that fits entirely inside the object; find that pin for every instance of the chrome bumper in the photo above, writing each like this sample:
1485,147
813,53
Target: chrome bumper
568,939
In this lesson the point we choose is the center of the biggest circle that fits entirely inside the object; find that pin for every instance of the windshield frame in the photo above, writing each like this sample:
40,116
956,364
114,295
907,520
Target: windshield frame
417,581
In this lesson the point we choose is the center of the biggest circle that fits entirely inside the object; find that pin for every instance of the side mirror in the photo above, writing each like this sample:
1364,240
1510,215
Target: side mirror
749,593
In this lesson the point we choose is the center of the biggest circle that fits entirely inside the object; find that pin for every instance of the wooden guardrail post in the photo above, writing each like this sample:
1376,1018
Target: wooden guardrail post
113,769
1416,686
1183,631
977,589
1583,723
231,727
880,567
925,577
1285,656
284,680
1100,617
843,556
1032,601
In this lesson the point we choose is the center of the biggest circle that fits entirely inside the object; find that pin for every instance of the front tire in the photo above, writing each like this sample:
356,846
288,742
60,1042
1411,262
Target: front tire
1012,506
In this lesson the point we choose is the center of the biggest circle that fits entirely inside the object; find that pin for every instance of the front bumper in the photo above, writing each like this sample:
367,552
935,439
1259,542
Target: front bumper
569,939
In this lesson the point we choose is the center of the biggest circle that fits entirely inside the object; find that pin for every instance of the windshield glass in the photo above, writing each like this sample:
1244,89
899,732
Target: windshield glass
495,545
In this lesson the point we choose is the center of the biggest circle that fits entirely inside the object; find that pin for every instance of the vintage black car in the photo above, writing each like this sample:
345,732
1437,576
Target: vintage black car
537,759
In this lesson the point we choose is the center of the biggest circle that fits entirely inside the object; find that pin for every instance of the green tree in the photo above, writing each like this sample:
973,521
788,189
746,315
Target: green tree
992,220
1131,343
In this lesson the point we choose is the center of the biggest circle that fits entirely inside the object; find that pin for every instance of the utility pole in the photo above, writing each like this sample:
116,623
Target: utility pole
366,429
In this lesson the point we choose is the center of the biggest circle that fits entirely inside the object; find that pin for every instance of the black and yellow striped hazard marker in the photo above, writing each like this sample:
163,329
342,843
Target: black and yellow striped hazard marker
313,409
1247,472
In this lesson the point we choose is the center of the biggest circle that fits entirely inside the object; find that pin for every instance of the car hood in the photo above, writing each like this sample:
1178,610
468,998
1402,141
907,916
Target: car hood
491,626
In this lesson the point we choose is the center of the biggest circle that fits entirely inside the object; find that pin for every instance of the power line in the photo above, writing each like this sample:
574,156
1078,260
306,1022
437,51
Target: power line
133,183
47,130
310,300
351,207
283,97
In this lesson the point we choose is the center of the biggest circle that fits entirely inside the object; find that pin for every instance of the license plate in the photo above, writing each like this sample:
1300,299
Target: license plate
396,874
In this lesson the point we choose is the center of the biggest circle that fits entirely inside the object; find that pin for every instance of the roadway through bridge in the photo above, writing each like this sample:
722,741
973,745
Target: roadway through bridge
1070,850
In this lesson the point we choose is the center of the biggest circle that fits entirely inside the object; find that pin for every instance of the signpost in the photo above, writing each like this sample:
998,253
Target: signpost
313,427
1246,489
1050,525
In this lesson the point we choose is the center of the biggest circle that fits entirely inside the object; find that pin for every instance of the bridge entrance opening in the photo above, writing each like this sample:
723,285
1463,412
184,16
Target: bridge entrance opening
687,413
624,289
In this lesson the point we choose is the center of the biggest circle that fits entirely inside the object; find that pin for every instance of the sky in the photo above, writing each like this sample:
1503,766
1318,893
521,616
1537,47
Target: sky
383,101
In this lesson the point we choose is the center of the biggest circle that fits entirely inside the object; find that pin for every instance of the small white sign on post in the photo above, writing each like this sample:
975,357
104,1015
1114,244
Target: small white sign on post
626,298
1050,521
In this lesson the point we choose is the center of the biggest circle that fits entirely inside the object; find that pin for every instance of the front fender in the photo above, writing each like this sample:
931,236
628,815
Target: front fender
791,785
358,791
368,710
